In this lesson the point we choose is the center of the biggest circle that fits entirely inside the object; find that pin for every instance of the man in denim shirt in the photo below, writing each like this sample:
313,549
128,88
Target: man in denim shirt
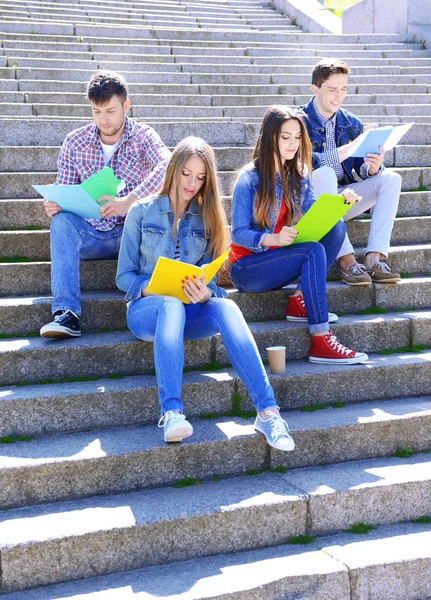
136,154
332,131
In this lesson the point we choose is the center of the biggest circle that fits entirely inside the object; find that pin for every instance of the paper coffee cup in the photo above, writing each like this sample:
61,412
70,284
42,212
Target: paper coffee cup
277,358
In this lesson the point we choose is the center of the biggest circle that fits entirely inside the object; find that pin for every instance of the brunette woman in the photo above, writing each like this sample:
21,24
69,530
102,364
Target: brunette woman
270,196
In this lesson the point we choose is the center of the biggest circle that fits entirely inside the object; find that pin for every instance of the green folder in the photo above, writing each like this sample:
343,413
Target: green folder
81,199
320,218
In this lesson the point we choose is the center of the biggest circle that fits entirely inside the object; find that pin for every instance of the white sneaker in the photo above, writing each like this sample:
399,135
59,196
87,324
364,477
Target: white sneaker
276,431
175,426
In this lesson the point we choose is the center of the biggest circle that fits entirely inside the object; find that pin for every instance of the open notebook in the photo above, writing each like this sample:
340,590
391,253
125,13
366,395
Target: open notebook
81,199
168,273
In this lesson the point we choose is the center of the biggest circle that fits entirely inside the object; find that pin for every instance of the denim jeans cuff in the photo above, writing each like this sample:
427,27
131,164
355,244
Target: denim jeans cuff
268,403
55,308
318,327
171,404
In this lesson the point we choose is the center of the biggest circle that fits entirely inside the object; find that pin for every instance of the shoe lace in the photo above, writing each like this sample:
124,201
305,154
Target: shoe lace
64,315
278,425
170,417
335,345
382,266
301,301
358,269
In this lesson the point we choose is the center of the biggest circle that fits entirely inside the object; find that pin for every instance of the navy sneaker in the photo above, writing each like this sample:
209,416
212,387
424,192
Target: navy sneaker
65,325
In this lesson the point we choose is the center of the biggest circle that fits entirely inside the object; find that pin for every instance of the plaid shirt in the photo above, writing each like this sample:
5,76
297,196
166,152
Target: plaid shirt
330,156
140,160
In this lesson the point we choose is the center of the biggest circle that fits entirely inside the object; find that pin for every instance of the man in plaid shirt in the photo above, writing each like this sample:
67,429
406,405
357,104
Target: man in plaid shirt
136,154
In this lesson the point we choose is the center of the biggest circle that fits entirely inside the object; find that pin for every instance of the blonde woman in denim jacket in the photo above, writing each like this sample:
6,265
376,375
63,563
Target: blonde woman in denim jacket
186,221
269,197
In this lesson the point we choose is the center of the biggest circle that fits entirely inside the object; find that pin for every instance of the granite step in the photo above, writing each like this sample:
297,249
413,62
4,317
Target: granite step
406,230
52,133
101,354
105,310
20,213
82,464
131,401
19,185
23,278
142,528
390,560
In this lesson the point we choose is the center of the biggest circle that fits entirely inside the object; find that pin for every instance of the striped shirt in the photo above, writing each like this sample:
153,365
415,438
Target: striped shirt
139,159
330,156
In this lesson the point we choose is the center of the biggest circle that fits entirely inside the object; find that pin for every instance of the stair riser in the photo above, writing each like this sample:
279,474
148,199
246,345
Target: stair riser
129,356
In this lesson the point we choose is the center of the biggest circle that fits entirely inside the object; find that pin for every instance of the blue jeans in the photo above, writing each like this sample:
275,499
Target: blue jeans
274,269
167,322
72,240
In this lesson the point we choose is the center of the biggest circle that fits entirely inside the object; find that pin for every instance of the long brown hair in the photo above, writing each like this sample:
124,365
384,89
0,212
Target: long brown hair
265,150
208,197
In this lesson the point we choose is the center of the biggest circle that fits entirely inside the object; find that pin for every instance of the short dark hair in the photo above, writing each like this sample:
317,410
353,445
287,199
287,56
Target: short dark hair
106,84
327,67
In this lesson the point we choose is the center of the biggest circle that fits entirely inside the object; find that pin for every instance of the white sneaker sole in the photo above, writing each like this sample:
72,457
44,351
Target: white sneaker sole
358,283
362,357
332,318
394,280
290,447
179,433
52,331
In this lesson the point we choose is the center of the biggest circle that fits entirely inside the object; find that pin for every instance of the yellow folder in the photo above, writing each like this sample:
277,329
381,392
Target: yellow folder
168,273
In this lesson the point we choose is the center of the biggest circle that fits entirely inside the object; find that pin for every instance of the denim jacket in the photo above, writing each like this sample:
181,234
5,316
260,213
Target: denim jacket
147,236
245,231
347,128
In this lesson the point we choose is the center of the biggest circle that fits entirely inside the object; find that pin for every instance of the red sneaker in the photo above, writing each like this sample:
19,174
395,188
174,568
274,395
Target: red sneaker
296,310
327,349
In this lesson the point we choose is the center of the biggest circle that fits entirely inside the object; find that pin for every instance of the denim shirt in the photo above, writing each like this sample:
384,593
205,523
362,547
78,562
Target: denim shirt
147,236
347,128
245,230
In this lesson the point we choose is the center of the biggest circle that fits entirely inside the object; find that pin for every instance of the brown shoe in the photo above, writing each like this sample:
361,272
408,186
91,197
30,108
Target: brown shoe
382,273
356,275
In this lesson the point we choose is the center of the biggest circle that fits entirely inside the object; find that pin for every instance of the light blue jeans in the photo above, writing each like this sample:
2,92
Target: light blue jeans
381,191
167,322
72,240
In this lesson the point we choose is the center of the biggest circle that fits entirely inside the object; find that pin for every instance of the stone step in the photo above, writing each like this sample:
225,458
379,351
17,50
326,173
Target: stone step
105,310
154,113
131,401
100,354
53,132
22,213
407,230
70,466
390,560
213,517
302,39
30,278
18,185
191,46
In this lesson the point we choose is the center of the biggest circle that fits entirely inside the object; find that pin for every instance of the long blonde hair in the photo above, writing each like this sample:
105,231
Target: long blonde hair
208,197
265,150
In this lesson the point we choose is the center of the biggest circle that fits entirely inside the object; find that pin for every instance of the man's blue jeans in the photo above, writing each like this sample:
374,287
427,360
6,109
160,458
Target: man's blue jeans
167,322
72,240
274,269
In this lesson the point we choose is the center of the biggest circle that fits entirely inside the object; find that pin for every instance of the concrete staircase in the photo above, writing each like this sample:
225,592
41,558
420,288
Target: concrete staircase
93,504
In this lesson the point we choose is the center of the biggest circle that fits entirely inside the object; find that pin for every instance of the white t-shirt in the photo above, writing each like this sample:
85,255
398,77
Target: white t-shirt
108,151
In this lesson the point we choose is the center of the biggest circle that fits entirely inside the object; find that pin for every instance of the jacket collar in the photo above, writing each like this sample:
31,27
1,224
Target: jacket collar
343,119
165,206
